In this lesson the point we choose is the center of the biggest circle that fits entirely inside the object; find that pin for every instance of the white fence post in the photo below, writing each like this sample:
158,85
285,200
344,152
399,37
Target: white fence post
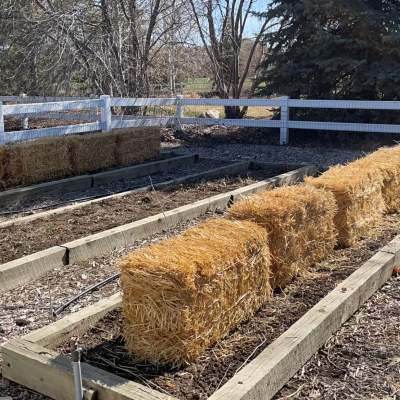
284,135
2,136
178,112
24,120
106,113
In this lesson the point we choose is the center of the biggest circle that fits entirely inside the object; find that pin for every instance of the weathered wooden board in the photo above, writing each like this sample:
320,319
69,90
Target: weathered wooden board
41,369
50,373
268,373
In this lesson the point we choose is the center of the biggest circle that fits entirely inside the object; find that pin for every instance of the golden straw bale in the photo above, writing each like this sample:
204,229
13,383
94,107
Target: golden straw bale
134,145
36,161
387,161
92,152
358,194
184,294
300,224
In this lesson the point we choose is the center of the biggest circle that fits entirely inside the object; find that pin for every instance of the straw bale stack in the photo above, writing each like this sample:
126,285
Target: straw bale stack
36,161
357,188
184,294
387,161
92,152
134,145
300,224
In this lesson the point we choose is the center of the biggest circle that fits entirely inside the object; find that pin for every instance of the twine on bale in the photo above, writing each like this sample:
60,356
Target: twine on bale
134,145
358,193
186,293
299,221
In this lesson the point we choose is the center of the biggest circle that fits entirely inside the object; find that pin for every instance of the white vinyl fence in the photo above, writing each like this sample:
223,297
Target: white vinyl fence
87,110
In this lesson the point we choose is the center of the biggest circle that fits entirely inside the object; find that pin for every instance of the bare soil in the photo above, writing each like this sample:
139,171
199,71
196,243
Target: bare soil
199,380
21,240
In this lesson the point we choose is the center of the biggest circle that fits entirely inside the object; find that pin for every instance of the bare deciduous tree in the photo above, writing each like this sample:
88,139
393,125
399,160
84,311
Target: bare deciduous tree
222,27
113,44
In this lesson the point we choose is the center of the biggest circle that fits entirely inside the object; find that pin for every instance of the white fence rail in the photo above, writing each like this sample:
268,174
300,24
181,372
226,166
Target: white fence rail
58,107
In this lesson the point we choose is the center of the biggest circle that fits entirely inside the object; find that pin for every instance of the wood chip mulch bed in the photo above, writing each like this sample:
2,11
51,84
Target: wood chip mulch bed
21,240
360,361
366,346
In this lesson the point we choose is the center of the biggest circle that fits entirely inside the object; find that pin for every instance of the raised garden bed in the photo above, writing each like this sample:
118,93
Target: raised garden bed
23,270
32,362
21,240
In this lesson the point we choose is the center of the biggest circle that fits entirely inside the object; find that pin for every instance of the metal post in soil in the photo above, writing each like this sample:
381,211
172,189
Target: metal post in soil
76,367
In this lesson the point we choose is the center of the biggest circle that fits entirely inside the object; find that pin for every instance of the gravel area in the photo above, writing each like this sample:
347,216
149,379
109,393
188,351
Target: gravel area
199,380
77,196
322,157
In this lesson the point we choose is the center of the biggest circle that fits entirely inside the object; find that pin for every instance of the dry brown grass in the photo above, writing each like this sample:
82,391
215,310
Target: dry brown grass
299,220
135,145
357,188
92,152
186,293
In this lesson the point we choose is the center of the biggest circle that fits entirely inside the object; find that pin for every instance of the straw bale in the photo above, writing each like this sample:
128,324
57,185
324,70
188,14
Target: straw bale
357,188
184,294
135,145
300,224
387,161
92,152
36,161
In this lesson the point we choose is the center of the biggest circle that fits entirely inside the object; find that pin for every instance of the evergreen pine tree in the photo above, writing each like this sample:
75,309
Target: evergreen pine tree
335,49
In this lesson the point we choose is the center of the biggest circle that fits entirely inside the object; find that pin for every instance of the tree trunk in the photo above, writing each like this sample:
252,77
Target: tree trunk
234,112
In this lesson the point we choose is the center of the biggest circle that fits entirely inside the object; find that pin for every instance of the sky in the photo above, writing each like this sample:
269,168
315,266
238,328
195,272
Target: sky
254,24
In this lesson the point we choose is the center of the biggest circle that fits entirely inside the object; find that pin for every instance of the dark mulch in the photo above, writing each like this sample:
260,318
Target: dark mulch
218,135
362,360
199,380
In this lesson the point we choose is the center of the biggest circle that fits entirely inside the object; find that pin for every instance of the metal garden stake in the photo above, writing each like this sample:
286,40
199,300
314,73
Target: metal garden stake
76,366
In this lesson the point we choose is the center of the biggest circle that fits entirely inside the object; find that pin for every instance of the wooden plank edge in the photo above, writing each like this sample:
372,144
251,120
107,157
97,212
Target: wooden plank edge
233,168
24,270
17,195
80,321
287,166
50,373
77,323
89,178
106,241
263,377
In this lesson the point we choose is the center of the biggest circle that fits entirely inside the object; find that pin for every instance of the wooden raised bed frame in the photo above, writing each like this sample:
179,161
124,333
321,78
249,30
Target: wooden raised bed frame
29,361
26,269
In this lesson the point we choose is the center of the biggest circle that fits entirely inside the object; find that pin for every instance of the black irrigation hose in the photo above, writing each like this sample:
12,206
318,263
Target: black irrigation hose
85,292
97,196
